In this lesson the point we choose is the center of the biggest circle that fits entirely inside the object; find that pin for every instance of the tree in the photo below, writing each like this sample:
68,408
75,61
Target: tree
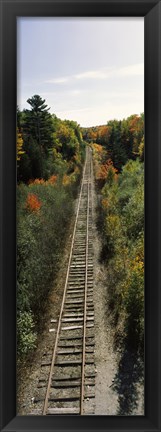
20,150
68,141
51,145
136,127
38,124
102,135
141,150
19,118
115,146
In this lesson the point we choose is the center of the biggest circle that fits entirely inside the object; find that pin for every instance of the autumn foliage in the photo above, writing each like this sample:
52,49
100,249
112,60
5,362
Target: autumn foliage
37,181
103,166
105,169
121,139
50,154
122,210
33,204
52,180
47,146
118,153
43,217
20,150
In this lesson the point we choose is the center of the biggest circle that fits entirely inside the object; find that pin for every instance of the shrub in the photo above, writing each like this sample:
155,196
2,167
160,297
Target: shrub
41,234
133,212
123,226
32,203
113,230
134,304
26,337
52,180
132,175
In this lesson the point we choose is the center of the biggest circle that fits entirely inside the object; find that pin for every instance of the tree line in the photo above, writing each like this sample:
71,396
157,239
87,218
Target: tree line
45,144
122,139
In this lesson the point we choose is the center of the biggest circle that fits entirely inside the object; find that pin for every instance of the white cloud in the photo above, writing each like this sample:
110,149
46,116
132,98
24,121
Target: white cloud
68,112
129,70
96,74
57,80
132,70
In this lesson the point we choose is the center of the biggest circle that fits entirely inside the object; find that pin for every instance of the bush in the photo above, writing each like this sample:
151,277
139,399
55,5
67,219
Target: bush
134,304
133,212
123,227
43,215
113,231
132,176
26,337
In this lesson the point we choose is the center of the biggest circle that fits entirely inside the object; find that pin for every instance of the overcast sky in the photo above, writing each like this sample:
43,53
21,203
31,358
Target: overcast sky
90,70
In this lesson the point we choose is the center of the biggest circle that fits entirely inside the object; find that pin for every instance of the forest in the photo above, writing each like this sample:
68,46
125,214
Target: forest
50,158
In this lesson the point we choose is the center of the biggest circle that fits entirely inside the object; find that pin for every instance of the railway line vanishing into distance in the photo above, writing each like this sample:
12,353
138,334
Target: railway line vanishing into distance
70,386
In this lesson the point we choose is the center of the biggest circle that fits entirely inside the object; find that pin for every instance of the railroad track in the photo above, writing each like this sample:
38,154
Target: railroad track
70,387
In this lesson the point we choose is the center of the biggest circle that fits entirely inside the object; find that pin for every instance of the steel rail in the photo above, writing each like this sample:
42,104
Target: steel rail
85,311
91,168
63,300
